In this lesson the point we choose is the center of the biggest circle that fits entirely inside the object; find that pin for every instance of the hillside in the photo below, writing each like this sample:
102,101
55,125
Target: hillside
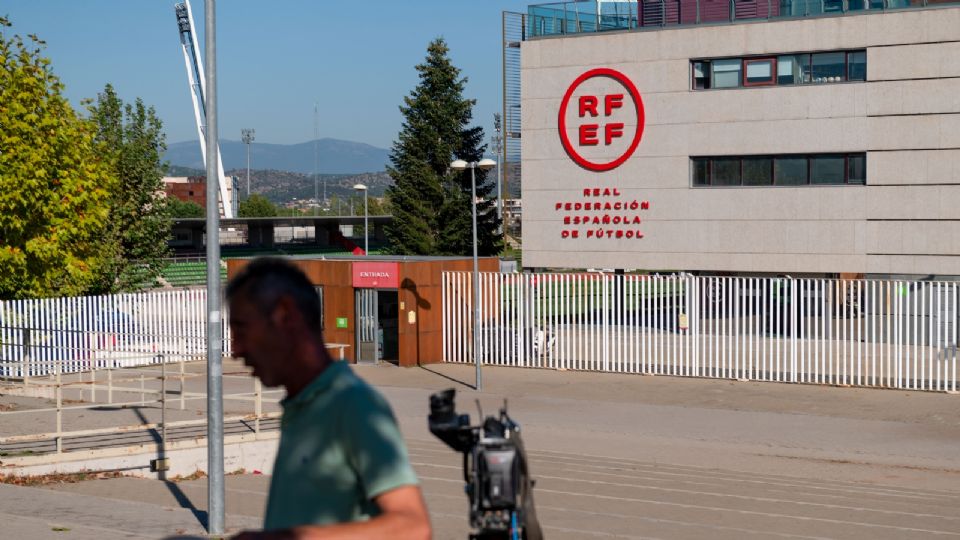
284,186
333,156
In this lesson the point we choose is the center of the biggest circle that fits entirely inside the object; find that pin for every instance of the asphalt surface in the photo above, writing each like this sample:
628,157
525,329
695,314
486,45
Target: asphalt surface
614,456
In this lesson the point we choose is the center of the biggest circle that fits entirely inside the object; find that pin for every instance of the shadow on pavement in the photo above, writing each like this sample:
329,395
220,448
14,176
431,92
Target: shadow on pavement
185,502
449,378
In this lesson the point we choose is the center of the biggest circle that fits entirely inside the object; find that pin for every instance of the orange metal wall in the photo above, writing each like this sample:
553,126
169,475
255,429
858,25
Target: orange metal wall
420,293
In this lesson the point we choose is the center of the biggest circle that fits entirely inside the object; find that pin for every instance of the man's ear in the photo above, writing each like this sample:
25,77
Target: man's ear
282,312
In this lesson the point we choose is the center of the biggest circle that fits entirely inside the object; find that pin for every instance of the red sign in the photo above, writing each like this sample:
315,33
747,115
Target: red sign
604,120
376,275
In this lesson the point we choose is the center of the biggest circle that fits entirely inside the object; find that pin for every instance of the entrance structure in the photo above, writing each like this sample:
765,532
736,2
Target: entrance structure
382,308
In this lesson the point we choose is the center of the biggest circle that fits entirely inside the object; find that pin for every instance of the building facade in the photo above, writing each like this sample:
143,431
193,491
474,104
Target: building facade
823,145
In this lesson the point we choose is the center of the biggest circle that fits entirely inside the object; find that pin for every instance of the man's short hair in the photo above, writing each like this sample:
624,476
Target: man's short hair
266,279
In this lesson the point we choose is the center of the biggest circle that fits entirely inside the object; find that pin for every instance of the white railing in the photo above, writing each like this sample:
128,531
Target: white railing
41,337
894,334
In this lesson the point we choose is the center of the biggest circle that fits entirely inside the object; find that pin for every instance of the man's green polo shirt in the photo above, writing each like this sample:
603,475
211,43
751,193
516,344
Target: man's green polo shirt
339,448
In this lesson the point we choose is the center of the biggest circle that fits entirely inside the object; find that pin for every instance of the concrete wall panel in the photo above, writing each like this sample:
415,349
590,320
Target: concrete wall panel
913,167
920,61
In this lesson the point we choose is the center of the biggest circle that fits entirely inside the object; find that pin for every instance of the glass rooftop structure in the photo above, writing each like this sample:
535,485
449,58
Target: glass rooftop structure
561,18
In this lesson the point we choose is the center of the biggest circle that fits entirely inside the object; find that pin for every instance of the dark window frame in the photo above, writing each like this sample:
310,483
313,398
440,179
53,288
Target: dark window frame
773,71
744,60
709,169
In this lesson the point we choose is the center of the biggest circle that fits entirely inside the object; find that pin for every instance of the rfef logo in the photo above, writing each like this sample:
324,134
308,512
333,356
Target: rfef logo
601,119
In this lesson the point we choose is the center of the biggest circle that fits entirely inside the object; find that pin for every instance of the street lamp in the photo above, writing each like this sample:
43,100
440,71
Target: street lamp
247,136
485,165
366,232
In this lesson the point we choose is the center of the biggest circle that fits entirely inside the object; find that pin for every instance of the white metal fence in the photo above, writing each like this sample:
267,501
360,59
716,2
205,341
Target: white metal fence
39,337
895,334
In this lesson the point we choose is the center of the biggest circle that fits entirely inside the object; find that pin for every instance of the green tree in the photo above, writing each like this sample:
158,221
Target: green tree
55,183
257,205
431,204
184,209
139,228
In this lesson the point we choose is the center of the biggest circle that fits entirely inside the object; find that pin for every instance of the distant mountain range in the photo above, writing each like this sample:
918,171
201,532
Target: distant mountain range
333,156
282,187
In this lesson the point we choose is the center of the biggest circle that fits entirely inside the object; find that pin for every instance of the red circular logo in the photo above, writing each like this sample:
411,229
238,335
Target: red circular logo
602,120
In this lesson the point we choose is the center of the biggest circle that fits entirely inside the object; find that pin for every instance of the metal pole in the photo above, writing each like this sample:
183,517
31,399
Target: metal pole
248,169
257,404
163,407
215,487
476,277
366,230
58,367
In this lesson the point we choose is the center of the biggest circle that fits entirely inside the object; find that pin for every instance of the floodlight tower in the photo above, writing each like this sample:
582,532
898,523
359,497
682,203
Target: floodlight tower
247,136
195,78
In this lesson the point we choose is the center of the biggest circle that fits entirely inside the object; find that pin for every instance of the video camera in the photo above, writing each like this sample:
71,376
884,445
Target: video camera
495,470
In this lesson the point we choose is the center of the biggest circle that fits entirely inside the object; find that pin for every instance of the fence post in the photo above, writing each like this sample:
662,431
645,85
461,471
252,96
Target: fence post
258,404
93,383
25,368
794,313
182,389
59,390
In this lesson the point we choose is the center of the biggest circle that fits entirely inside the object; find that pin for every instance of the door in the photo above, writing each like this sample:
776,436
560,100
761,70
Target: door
366,326
377,326
388,328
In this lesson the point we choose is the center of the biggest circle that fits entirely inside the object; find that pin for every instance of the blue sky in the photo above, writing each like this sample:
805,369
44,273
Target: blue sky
274,59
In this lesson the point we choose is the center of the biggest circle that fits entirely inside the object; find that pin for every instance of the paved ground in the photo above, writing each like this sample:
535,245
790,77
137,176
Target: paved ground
615,456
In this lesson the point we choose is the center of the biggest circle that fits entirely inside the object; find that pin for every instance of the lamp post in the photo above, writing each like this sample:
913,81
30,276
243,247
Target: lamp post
247,135
366,232
485,165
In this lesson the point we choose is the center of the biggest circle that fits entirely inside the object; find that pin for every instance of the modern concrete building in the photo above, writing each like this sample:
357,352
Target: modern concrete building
819,144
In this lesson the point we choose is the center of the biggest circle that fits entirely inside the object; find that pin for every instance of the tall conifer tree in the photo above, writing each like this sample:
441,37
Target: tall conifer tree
430,203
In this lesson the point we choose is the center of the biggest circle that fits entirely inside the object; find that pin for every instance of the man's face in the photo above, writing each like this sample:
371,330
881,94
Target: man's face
258,339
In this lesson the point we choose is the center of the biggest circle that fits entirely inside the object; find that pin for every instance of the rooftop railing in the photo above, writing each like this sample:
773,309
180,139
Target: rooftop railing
577,17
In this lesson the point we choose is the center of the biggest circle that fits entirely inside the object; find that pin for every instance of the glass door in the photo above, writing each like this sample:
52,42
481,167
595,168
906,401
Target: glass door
366,300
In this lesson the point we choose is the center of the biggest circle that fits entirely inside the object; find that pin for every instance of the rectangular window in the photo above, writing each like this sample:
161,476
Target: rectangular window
793,69
857,169
701,75
779,170
726,73
701,172
829,67
857,66
784,69
759,71
757,171
790,171
319,289
827,170
726,172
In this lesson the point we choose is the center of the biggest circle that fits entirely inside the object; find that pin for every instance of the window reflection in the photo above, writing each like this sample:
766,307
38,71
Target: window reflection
779,170
828,67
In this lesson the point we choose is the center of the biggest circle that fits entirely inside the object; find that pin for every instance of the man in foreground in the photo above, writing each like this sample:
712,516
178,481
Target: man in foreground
341,469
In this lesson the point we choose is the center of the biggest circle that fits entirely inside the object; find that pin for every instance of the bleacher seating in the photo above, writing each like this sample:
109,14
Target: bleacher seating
186,274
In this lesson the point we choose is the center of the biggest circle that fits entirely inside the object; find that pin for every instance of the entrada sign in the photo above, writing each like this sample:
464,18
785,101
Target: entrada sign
608,118
376,275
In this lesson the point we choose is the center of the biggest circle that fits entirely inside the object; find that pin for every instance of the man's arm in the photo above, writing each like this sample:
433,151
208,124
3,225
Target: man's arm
403,516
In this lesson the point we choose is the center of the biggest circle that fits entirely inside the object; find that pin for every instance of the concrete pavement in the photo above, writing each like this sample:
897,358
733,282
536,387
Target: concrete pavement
618,456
